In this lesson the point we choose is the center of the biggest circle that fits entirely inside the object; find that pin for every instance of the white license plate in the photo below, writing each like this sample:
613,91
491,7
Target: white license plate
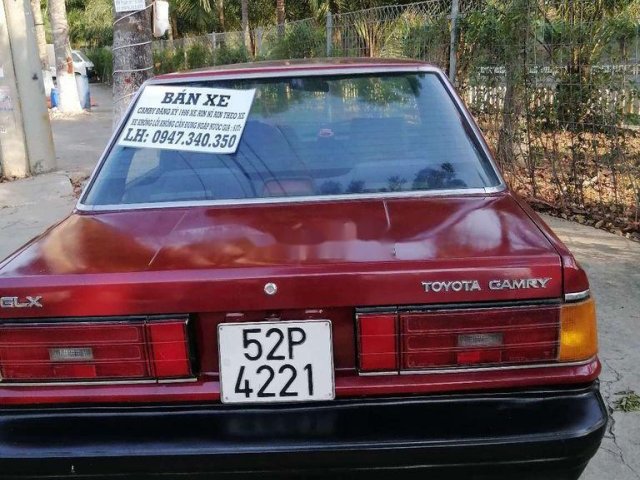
265,362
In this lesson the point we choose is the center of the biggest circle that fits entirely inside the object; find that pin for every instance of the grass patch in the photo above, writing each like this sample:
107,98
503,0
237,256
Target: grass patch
628,402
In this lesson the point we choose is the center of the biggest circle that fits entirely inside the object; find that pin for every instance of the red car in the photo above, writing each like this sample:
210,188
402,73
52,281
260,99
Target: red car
298,268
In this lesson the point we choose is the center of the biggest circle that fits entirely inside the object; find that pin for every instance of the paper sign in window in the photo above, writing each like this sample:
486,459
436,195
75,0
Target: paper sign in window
209,120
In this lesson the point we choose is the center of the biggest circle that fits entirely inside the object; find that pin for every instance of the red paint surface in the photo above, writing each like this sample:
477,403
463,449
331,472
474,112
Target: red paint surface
217,259
213,262
327,258
207,389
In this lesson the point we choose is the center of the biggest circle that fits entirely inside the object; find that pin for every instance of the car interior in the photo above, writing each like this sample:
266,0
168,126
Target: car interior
360,156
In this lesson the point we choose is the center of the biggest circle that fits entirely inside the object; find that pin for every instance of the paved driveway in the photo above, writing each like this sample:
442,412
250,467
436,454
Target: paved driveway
613,264
81,139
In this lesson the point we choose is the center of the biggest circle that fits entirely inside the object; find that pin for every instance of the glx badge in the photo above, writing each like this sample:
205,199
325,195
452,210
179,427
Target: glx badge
17,302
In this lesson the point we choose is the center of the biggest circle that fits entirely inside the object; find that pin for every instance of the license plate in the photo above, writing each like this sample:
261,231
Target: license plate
268,362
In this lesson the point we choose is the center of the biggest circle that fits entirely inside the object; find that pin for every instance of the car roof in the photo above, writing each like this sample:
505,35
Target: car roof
283,66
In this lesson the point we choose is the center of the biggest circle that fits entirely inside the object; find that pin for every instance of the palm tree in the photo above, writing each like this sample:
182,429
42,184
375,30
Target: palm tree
65,76
245,23
36,9
200,17
280,15
220,5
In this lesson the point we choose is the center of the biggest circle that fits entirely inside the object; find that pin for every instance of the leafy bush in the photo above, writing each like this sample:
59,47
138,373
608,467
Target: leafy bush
102,58
91,22
228,54
179,61
301,40
428,40
163,61
168,60
199,55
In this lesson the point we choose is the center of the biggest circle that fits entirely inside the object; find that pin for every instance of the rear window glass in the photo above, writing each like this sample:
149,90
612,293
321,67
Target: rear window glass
313,136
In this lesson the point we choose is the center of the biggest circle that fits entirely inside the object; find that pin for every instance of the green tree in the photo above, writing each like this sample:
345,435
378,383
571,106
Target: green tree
280,15
575,33
495,36
195,17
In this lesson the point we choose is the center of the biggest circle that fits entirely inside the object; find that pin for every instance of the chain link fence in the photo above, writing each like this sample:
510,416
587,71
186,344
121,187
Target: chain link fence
553,84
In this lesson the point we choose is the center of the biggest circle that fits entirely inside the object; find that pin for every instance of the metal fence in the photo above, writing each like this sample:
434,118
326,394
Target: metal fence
553,83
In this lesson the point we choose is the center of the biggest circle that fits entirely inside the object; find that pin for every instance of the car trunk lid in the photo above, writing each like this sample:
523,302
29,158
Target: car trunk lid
330,254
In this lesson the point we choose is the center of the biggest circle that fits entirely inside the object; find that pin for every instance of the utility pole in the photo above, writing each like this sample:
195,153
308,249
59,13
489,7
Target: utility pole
132,56
26,143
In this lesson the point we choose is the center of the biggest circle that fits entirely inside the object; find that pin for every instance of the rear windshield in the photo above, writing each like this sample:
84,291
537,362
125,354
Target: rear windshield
312,136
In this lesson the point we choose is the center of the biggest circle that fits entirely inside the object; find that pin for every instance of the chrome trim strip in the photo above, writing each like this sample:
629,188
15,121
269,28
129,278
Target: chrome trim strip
498,188
298,71
178,380
440,371
377,374
75,384
302,72
100,383
440,307
282,200
502,368
574,297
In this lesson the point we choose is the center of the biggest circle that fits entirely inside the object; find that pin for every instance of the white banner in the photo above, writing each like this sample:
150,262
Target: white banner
188,118
129,5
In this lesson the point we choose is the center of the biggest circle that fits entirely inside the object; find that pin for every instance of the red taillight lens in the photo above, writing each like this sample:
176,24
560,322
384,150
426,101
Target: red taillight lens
378,342
473,337
169,349
93,351
458,338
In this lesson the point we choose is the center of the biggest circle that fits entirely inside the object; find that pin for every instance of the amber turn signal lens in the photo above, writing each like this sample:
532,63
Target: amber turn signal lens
578,331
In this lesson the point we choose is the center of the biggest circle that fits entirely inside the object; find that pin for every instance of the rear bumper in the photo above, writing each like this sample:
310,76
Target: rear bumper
551,431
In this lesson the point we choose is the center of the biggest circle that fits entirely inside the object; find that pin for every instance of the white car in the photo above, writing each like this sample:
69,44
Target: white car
81,63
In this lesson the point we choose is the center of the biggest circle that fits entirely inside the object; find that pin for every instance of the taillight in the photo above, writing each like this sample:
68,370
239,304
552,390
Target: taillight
423,340
169,349
478,337
134,350
378,342
578,331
